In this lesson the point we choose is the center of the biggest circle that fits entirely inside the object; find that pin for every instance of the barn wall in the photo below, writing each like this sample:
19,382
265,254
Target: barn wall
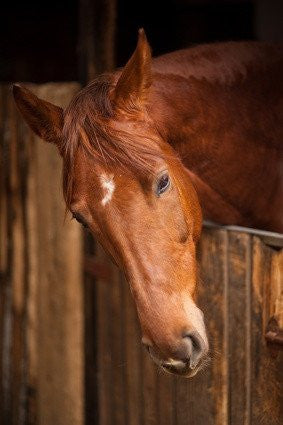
242,281
41,308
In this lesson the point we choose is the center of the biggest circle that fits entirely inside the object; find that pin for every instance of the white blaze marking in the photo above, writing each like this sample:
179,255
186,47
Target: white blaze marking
108,185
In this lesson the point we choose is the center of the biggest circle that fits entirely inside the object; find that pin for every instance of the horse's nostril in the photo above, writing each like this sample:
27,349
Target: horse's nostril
146,347
195,347
146,343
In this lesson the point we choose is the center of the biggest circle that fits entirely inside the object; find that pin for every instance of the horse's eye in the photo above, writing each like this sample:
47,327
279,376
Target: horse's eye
162,184
80,220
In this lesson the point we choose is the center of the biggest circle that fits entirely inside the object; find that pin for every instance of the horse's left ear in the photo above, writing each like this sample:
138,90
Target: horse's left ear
44,118
132,87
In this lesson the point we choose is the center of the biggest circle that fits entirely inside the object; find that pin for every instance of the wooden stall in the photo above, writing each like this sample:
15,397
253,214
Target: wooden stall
242,288
65,361
41,291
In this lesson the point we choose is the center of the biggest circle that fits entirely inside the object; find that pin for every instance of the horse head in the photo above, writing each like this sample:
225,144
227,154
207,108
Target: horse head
124,182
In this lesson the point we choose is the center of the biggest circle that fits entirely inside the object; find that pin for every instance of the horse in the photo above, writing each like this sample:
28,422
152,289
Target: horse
150,150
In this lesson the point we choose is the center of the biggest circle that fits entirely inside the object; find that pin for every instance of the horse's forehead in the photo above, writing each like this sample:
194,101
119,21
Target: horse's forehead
98,182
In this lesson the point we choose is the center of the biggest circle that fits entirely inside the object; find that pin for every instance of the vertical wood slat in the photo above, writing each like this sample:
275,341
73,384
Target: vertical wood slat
59,321
103,322
165,403
19,278
266,364
239,276
150,391
6,262
133,355
276,310
42,362
211,394
276,288
117,349
91,407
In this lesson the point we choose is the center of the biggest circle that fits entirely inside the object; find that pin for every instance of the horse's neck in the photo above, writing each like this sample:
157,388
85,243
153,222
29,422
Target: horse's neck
228,140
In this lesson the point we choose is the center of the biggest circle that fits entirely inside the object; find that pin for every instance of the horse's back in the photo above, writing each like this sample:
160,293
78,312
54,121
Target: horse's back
222,62
245,75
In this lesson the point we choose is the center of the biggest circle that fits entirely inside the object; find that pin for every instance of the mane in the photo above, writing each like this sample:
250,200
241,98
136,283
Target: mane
87,126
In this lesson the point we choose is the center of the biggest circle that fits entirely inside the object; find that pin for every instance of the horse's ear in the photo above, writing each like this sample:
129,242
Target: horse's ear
44,118
133,84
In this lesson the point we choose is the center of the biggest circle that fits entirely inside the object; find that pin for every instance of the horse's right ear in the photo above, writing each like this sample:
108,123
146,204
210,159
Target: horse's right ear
44,118
135,80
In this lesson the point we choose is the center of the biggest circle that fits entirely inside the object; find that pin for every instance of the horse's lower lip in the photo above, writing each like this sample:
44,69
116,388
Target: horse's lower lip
177,371
186,371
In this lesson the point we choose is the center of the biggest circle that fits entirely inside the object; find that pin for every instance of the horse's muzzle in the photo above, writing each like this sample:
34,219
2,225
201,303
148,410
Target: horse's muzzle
187,358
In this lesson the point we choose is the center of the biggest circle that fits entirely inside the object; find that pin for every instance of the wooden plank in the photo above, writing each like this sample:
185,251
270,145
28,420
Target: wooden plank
118,404
104,347
19,282
182,401
59,318
276,311
5,264
239,275
150,390
208,391
46,330
166,410
91,408
276,288
266,364
42,310
33,282
133,354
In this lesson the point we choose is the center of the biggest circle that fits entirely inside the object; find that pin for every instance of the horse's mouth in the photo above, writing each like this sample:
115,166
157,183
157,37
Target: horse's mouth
187,371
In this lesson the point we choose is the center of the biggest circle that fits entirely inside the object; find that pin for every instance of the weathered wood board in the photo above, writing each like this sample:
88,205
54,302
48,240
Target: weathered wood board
41,299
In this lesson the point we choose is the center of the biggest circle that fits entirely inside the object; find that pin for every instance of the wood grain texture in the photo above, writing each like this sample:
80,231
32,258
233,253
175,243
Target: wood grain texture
42,359
104,347
60,319
239,289
210,388
133,371
165,402
266,363
91,407
117,337
150,390
276,288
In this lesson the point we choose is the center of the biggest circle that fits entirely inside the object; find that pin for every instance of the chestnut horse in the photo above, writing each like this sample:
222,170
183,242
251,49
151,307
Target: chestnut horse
149,149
